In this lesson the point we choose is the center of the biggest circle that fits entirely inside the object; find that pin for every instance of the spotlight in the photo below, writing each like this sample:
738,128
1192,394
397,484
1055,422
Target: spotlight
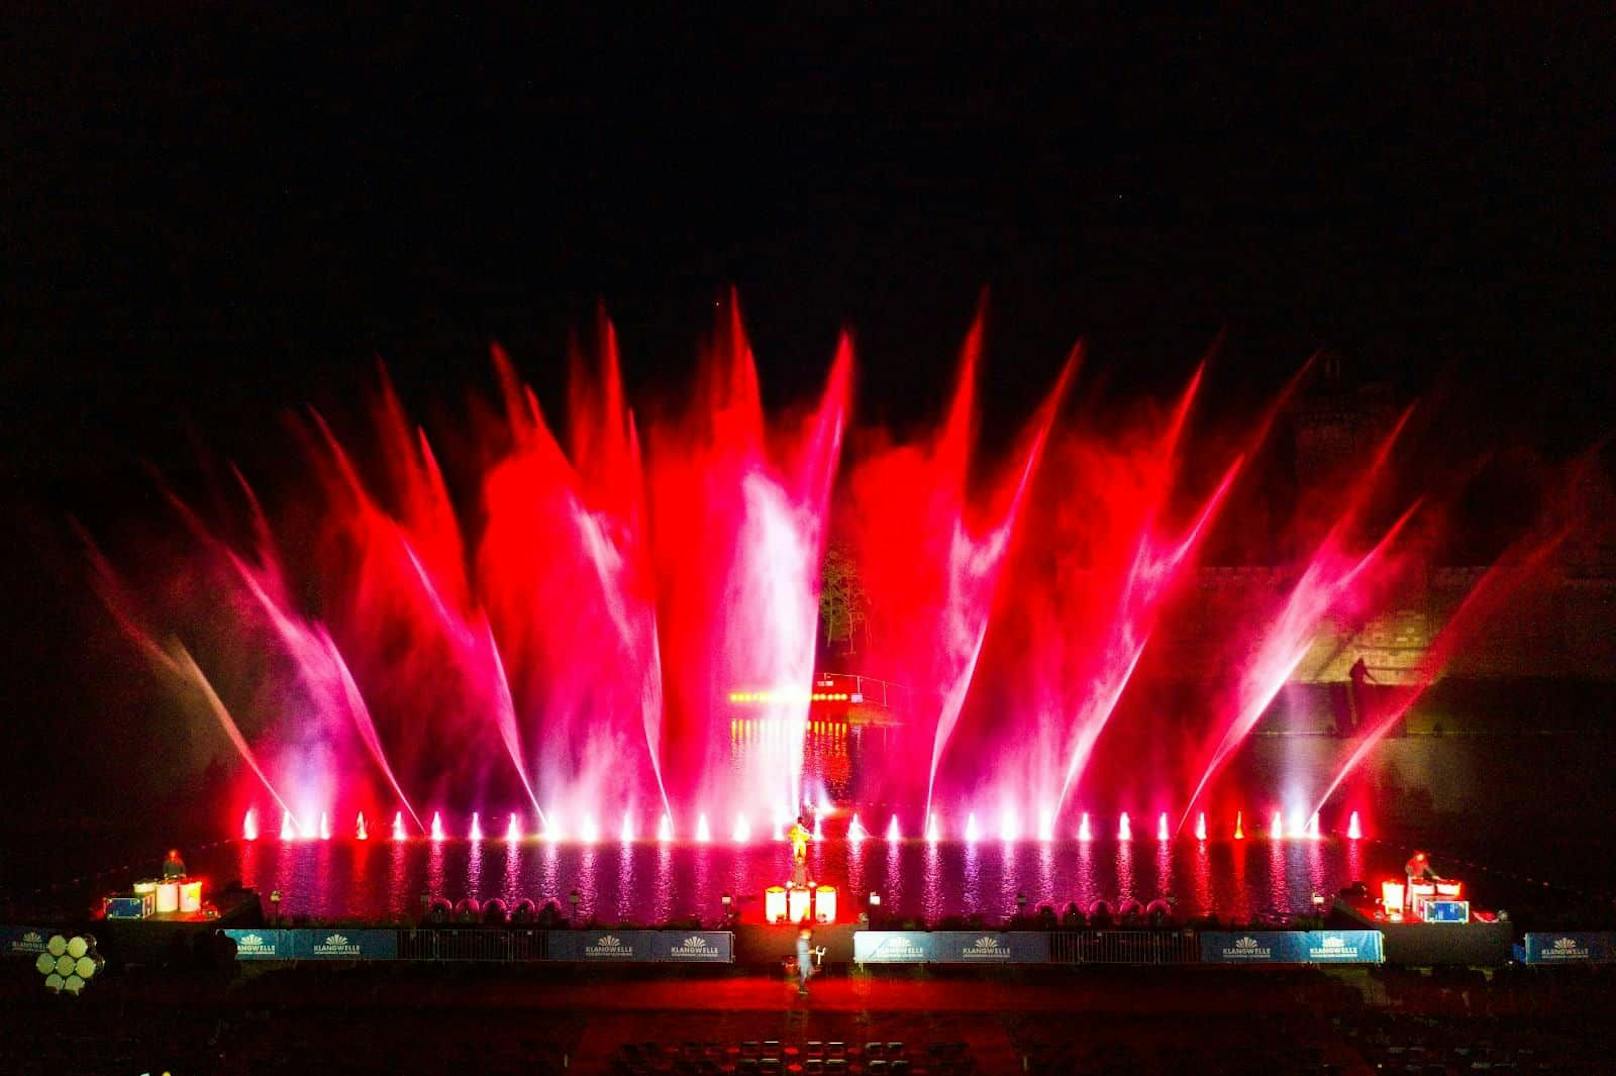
726,900
875,899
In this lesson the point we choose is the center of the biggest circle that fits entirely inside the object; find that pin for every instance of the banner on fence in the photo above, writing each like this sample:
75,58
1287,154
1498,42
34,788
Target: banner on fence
891,947
603,946
694,946
1293,947
1569,948
261,944
342,944
23,941
974,947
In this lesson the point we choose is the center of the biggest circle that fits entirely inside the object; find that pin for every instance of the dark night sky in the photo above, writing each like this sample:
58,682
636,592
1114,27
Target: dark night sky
210,217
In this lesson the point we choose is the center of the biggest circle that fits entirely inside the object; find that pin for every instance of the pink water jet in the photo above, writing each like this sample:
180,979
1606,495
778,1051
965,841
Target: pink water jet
249,825
288,827
399,832
513,829
361,832
476,831
437,826
1084,833
1354,828
1200,826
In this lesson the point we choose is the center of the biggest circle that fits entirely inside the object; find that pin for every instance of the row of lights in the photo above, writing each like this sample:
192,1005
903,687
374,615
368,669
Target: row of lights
741,833
789,696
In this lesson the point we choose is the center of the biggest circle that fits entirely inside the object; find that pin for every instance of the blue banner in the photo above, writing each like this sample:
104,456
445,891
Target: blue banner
340,943
974,947
603,946
258,944
891,947
23,941
1569,948
1293,947
694,946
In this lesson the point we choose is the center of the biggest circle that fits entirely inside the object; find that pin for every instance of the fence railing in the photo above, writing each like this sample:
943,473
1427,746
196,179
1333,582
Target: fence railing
498,945
1124,947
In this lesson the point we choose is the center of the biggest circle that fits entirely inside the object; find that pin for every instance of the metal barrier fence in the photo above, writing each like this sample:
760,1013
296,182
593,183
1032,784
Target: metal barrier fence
498,945
1124,947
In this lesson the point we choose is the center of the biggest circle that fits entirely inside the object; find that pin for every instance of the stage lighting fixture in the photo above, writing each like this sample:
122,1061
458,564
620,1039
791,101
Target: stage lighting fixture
875,899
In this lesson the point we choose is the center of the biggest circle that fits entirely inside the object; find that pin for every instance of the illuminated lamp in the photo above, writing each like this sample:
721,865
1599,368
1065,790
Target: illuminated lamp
146,888
168,897
875,899
1391,898
1450,890
797,901
524,912
825,904
191,895
439,911
774,904
468,910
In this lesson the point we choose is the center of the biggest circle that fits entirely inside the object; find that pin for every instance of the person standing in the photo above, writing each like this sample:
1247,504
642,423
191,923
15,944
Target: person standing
805,966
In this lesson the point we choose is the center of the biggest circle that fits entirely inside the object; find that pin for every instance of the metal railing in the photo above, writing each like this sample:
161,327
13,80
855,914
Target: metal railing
1124,947
496,945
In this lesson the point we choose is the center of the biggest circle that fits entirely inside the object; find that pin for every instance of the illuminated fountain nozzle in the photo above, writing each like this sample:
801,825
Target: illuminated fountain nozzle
589,832
398,826
1276,828
1313,826
664,829
513,829
1161,826
1009,826
437,826
476,832
1046,825
288,826
934,830
249,825
893,832
1239,827
703,832
1084,831
361,830
1354,830
970,827
1200,826
855,829
325,826
626,835
743,830
1124,828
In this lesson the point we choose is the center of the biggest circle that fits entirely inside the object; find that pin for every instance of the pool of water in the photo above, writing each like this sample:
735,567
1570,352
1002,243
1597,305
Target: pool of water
648,882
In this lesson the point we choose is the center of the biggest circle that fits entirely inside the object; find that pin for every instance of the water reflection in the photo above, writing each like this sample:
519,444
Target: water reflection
649,882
